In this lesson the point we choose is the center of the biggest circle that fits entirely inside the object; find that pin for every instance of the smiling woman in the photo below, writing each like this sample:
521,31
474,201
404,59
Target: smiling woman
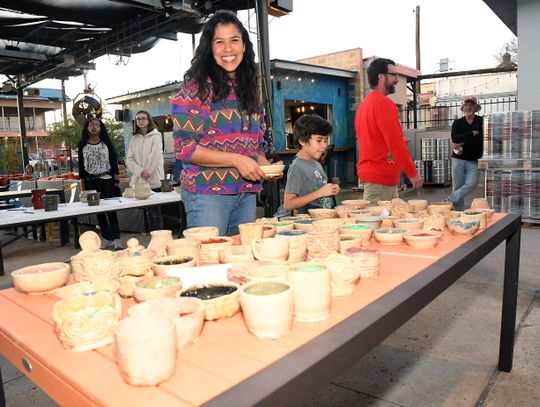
219,127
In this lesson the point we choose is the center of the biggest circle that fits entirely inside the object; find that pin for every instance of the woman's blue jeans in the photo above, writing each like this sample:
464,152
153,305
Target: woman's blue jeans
225,212
464,181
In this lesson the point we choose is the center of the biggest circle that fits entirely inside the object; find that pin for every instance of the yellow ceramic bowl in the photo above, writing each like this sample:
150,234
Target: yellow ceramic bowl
41,278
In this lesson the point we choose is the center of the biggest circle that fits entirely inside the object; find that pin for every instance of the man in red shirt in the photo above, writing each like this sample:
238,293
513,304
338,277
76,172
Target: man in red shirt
383,152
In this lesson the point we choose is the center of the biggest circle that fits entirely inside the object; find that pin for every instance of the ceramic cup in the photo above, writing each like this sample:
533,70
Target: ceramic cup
50,202
235,254
250,232
311,283
186,248
128,193
92,198
146,349
267,306
272,248
166,185
297,244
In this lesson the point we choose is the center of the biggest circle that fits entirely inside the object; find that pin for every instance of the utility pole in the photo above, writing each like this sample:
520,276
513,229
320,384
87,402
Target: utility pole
22,125
66,123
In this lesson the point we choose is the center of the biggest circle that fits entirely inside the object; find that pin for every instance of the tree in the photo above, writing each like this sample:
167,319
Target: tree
12,160
66,136
510,47
116,133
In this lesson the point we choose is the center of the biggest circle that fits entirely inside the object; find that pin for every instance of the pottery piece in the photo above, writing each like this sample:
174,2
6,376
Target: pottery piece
297,244
418,204
221,299
387,222
142,190
86,321
322,213
373,221
41,278
480,203
267,306
133,268
154,288
185,248
344,272
280,226
462,226
161,266
349,240
364,232
439,208
236,254
128,193
274,170
92,199
100,265
409,223
389,236
187,314
304,224
237,272
368,261
312,291
337,222
269,271
473,213
422,239
50,202
166,185
250,232
201,233
37,197
434,222
159,241
146,349
399,208
210,249
272,248
83,195
268,231
322,241
489,213
86,288
360,213
357,203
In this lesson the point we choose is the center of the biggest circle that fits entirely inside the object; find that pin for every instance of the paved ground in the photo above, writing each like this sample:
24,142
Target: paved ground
445,356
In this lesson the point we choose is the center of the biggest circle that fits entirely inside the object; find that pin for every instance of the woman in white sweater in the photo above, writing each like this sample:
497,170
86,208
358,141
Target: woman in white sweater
145,160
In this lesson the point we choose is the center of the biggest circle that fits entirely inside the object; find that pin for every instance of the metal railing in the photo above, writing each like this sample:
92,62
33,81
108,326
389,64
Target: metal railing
444,115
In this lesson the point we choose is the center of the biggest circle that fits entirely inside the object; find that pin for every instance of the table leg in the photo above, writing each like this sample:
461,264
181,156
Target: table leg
2,395
509,306
2,271
75,233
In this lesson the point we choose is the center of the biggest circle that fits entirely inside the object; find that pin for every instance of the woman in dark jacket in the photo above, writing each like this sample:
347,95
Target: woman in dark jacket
98,169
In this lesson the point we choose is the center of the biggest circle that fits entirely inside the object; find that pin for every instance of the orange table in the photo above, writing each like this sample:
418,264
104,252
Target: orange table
228,366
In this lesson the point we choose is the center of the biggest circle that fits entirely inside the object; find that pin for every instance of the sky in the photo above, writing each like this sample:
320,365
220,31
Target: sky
466,32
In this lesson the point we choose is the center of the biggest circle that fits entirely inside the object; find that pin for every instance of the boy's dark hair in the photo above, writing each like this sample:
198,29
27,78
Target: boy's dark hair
377,66
309,124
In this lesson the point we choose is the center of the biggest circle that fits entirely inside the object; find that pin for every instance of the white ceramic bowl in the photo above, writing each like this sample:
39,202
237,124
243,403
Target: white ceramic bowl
274,170
389,236
409,223
41,278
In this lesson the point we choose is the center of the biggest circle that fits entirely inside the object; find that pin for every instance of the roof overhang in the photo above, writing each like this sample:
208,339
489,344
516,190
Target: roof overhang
506,10
314,69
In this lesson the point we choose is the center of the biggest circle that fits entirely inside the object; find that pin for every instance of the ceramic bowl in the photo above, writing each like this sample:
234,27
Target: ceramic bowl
221,299
321,213
87,287
237,273
462,226
418,204
489,212
360,213
373,221
201,233
480,203
280,226
364,232
270,271
358,203
274,170
409,223
347,241
476,214
422,239
439,207
389,236
41,278
162,265
304,224
154,288
329,222
235,254
269,231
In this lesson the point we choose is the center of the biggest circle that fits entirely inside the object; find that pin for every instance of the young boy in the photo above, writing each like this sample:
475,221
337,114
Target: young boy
307,184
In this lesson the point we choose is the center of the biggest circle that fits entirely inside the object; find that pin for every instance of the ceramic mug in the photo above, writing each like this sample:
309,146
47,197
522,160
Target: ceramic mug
271,248
297,244
146,349
235,254
312,291
250,232
185,247
50,202
267,306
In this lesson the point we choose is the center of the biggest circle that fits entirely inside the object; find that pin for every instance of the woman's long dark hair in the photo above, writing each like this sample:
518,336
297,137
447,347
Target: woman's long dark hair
203,65
103,133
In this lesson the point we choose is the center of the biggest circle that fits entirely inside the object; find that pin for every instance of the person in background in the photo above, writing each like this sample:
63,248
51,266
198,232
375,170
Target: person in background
219,128
29,171
468,147
98,169
383,151
145,160
307,185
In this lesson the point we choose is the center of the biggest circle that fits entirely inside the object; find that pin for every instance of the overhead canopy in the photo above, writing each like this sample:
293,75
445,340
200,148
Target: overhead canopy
59,38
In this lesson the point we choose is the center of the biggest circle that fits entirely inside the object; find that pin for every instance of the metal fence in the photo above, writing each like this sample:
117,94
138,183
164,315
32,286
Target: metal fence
444,115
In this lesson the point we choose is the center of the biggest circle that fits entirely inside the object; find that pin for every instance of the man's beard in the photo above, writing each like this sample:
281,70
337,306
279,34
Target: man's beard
390,88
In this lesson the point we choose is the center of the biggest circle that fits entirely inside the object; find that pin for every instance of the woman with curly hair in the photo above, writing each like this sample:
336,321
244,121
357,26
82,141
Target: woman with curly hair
98,169
219,128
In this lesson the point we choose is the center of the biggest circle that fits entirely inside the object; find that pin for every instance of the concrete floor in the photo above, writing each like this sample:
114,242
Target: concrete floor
445,356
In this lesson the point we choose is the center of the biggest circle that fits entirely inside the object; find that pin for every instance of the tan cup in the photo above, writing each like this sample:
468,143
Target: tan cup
185,248
297,244
235,254
272,248
312,291
249,232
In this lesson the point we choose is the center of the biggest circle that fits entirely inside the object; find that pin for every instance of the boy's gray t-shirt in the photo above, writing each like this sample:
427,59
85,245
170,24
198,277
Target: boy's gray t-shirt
304,177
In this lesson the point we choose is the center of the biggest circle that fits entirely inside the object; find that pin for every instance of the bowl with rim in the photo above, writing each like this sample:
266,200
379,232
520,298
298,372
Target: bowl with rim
418,204
409,223
322,213
155,288
422,239
304,224
373,221
463,226
221,299
41,278
357,203
273,170
389,236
